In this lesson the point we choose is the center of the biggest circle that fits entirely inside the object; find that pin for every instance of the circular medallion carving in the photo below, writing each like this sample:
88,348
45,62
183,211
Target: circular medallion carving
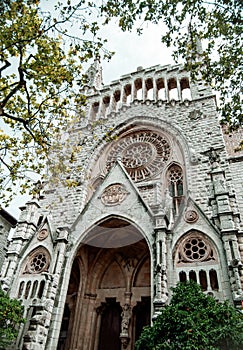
114,194
142,153
191,216
42,234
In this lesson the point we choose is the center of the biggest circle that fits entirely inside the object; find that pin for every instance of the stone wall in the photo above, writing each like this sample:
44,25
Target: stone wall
6,223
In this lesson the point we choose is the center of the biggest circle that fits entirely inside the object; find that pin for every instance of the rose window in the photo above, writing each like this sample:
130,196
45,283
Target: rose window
142,153
38,261
137,155
195,248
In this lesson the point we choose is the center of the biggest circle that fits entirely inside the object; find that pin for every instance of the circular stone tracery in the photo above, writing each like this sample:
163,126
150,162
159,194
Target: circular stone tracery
38,262
142,153
194,248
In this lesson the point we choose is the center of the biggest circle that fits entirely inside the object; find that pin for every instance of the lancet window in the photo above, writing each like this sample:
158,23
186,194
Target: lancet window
175,184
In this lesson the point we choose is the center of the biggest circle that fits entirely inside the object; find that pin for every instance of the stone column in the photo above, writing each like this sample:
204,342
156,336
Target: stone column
179,89
160,260
225,219
167,97
55,314
155,90
144,90
24,232
126,319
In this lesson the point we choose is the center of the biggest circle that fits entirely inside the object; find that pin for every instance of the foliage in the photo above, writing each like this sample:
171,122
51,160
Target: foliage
42,50
44,45
11,315
194,321
188,23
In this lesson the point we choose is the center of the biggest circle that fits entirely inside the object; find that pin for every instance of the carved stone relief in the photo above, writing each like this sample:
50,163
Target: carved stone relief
191,216
114,194
42,234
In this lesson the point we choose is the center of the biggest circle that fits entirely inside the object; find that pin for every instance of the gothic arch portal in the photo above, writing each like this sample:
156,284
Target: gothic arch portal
109,289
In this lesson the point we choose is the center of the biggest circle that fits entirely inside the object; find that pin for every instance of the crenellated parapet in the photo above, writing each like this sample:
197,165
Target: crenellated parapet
160,84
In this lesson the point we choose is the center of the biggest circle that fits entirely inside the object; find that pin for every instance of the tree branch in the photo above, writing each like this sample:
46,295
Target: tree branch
7,64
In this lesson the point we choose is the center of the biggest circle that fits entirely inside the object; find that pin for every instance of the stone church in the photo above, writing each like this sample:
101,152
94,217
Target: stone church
158,199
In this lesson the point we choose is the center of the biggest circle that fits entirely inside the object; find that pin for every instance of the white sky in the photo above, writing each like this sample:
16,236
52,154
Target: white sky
132,51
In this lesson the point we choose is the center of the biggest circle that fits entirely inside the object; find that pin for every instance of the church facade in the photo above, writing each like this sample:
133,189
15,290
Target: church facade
158,199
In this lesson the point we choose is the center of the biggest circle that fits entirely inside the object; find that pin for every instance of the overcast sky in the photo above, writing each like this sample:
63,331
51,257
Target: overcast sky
133,51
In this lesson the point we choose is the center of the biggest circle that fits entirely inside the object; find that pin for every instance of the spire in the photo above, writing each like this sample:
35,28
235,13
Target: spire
94,74
195,44
199,46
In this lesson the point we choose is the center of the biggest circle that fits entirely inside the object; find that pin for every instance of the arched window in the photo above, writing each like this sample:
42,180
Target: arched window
182,276
27,289
203,279
117,100
149,89
94,110
21,288
161,92
185,89
192,276
105,105
173,91
138,92
41,289
127,94
196,259
175,184
213,279
34,289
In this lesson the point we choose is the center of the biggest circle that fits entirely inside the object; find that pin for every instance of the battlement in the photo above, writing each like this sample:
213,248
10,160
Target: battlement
167,84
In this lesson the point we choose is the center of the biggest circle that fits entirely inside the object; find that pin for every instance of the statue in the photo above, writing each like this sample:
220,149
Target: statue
126,315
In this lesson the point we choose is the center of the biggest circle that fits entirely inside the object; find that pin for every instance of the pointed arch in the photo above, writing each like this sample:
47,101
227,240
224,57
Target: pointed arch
176,184
108,278
196,258
142,272
37,261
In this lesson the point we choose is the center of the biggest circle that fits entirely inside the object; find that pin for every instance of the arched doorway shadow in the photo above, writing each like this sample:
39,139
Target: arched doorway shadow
110,327
110,277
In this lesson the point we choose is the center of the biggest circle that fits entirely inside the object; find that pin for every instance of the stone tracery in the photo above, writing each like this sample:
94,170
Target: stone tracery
38,261
143,153
195,248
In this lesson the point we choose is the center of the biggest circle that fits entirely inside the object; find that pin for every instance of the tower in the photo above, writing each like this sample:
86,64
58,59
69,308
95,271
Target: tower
157,200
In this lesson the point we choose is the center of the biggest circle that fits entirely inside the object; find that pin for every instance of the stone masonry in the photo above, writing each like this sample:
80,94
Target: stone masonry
157,200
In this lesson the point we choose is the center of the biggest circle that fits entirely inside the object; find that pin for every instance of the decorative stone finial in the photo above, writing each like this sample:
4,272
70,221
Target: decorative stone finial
94,74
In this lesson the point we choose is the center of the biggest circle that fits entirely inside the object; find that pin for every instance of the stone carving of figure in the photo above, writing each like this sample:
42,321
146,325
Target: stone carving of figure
168,201
126,316
169,206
